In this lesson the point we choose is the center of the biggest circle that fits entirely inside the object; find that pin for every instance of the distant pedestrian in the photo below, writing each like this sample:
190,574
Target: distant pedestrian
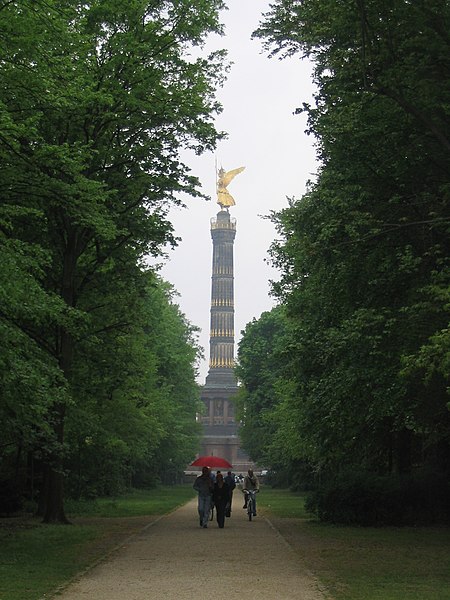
204,486
230,480
251,483
221,497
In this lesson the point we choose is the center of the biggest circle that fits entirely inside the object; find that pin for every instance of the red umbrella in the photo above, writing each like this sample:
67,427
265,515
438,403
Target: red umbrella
211,461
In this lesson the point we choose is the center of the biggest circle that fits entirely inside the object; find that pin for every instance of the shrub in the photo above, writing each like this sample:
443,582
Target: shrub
10,498
364,498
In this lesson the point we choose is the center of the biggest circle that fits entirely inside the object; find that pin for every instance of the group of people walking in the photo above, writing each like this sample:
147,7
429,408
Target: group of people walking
217,490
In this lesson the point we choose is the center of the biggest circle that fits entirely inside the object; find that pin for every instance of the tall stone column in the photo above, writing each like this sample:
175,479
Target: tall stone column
220,430
221,340
219,426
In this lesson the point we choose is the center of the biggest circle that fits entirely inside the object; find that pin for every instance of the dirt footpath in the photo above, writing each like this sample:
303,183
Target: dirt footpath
174,558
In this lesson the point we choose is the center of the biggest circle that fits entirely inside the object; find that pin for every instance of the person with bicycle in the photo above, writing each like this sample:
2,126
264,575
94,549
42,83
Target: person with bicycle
204,486
251,484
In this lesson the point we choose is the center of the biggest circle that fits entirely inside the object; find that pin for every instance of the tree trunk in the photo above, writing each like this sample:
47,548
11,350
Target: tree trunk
54,480
54,509
403,451
54,488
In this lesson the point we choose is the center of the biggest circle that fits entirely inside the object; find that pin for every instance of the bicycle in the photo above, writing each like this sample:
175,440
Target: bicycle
251,503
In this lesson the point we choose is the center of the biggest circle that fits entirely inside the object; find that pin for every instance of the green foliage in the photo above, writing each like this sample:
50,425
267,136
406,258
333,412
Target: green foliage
364,254
96,103
135,426
260,368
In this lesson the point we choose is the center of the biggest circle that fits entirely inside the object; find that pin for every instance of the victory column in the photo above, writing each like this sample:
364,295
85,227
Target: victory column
220,430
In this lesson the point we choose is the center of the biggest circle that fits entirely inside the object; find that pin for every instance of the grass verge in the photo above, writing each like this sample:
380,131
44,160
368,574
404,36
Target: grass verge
36,559
157,501
362,563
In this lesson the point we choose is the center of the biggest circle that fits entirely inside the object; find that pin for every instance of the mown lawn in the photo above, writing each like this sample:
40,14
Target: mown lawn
137,503
35,559
363,563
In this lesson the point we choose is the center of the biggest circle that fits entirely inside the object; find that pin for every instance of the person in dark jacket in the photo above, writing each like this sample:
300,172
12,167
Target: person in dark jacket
221,497
231,483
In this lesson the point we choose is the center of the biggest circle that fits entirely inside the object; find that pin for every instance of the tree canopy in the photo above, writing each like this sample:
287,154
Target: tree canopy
363,255
96,102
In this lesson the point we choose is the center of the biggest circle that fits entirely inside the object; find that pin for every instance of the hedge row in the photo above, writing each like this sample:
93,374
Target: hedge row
361,498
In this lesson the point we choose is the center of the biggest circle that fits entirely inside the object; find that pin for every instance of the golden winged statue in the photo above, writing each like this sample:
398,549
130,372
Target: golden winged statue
224,198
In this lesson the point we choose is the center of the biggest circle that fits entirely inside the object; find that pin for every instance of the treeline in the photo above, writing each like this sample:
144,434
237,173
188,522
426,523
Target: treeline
97,364
346,381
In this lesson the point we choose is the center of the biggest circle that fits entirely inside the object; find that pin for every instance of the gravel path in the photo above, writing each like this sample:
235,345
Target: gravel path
174,558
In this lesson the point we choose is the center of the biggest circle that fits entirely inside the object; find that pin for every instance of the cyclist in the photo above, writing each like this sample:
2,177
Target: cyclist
204,486
251,483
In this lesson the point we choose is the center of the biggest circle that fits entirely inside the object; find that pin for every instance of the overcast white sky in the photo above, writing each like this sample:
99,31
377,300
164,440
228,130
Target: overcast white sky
264,135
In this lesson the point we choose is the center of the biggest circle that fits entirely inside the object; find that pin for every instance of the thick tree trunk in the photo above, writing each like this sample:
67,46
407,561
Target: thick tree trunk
54,488
403,451
42,496
54,480
54,509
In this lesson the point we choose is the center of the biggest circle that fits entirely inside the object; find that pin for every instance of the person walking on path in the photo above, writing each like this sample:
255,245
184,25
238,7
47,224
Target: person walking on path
204,486
251,483
231,483
221,497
